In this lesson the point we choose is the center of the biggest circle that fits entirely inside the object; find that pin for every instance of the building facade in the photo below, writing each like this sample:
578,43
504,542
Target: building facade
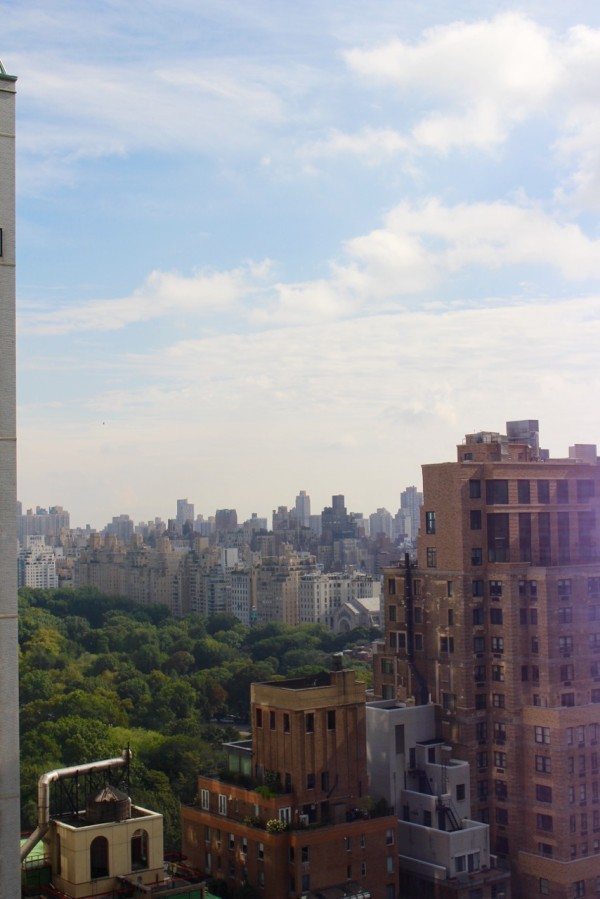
499,622
9,732
291,814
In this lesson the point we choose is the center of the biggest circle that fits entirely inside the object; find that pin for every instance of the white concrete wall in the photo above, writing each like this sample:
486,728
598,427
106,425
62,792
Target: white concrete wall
9,730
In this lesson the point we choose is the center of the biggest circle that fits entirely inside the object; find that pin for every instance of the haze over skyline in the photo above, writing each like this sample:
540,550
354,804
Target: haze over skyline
266,247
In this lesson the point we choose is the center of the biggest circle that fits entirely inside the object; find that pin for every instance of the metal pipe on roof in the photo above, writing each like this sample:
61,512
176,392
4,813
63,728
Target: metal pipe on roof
60,774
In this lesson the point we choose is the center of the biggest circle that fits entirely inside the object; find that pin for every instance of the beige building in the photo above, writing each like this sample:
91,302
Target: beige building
499,622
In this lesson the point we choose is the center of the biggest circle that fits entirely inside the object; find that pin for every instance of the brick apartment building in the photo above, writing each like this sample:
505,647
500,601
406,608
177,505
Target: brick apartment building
291,815
499,621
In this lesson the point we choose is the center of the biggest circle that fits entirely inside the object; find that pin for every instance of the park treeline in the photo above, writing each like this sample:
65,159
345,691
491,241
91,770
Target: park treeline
99,673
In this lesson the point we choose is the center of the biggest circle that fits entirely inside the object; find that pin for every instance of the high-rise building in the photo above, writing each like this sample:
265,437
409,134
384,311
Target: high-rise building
36,565
303,509
185,512
290,815
225,520
48,522
411,501
499,621
10,881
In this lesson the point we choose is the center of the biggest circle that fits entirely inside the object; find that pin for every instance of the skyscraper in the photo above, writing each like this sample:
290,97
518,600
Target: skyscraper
303,509
10,884
411,501
500,622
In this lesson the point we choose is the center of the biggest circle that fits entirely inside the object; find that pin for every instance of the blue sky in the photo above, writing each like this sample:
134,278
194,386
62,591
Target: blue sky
266,247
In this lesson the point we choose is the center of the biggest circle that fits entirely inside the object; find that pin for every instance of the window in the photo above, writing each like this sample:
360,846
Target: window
272,720
450,617
499,732
286,723
392,613
497,644
305,882
480,700
482,790
495,589
535,645
482,760
431,557
567,699
481,731
309,723
496,492
566,672
533,616
460,792
390,864
259,717
496,616
523,492
524,672
475,519
544,886
477,588
363,869
310,781
498,700
565,645
204,799
331,719
501,789
565,615
139,850
535,674
542,734
446,644
563,587
502,816
593,586
391,587
500,759
474,489
543,492
476,556
543,793
260,851
430,522
419,642
231,842
449,589
579,885
562,491
222,804
285,815
545,822
305,854
498,537
498,673
449,701
477,616
244,849
543,764
389,837
585,491
99,858
545,849
418,615
478,644
479,673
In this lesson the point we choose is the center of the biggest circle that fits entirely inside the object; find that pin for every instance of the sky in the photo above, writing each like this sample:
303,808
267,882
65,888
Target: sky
272,246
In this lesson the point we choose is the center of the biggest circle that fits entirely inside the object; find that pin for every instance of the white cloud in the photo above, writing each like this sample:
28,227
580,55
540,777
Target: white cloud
484,76
372,145
404,387
161,294
418,249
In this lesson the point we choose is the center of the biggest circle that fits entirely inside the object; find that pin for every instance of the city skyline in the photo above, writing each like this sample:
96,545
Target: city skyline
263,245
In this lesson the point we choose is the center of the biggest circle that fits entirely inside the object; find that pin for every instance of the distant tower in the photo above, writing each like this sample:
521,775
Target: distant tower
411,501
185,512
10,882
303,509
